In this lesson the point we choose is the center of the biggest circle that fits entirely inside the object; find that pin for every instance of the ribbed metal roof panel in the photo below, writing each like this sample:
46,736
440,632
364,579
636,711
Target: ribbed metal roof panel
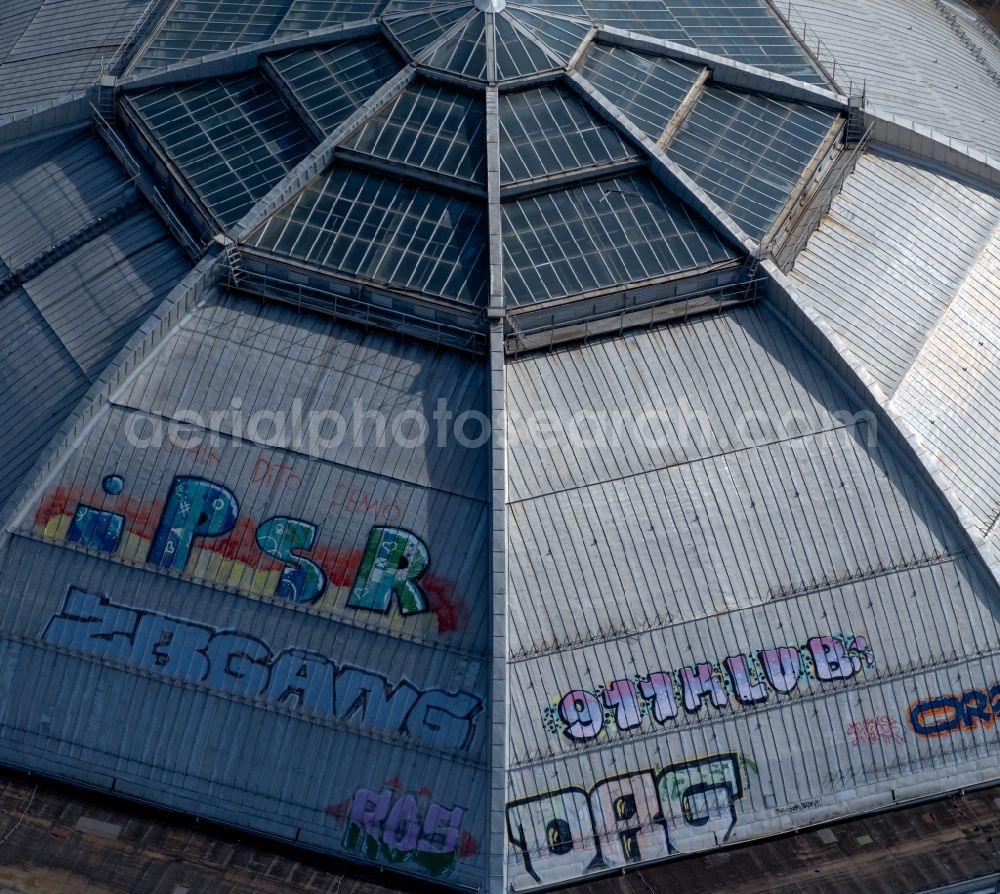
951,394
56,188
813,750
890,256
705,389
728,636
51,48
920,311
909,59
216,747
67,320
320,657
289,400
97,296
40,383
720,528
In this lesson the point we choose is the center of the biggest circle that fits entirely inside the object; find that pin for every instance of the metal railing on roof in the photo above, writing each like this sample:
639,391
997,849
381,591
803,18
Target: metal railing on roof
354,309
114,64
194,247
813,43
746,288
814,203
957,28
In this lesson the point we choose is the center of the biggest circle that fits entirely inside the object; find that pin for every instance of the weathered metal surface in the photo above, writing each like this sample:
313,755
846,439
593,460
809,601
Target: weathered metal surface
51,48
91,262
267,621
910,61
730,619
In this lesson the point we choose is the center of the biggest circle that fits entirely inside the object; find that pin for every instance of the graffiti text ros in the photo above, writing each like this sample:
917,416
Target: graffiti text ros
628,704
630,818
234,662
391,825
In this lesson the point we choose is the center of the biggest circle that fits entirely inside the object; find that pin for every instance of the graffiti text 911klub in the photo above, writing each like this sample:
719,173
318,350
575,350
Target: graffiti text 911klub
743,679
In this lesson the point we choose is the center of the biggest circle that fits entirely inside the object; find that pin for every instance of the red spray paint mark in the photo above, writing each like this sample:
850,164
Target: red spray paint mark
340,811
467,846
450,611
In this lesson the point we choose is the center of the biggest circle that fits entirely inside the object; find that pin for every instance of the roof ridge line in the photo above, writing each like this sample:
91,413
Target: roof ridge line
542,13
681,186
946,311
456,28
932,147
525,34
834,352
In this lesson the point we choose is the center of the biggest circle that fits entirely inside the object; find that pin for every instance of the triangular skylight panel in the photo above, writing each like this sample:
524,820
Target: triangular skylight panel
463,51
547,131
416,31
517,53
562,36
330,83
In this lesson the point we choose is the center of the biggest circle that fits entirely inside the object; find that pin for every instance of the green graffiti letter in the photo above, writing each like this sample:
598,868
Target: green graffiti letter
393,562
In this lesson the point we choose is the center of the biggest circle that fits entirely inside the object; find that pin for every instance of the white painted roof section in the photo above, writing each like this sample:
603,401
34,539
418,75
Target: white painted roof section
906,270
630,564
951,394
915,62
889,257
763,485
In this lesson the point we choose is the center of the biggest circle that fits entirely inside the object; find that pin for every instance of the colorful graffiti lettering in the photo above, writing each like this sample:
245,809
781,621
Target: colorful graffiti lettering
875,729
234,662
393,571
392,564
195,508
626,704
392,825
965,712
95,528
625,819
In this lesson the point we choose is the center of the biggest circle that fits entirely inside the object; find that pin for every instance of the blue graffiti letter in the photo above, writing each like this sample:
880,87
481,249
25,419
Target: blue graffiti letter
196,508
301,579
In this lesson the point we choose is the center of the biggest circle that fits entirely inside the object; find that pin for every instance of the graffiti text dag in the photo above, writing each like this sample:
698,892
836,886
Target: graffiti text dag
626,819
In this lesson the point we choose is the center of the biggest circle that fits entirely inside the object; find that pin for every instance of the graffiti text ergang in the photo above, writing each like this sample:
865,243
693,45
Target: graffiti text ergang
625,819
234,662
657,697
